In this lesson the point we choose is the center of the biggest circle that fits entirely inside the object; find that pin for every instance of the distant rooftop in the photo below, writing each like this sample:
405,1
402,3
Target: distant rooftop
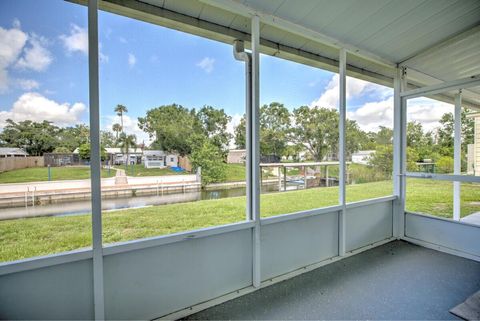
12,151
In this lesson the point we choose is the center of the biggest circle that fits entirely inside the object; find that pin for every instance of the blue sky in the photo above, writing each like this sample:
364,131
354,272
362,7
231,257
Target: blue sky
44,65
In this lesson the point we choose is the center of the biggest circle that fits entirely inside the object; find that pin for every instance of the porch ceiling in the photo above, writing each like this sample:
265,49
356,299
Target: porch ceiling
438,40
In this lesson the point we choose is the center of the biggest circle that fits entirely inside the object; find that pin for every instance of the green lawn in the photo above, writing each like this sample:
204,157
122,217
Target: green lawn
29,237
140,170
236,172
36,174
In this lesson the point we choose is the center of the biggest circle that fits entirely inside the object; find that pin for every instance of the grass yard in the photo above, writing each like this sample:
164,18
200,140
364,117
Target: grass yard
236,172
140,170
29,237
37,174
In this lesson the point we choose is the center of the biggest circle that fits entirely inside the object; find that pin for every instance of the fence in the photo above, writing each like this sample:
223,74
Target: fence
11,163
184,163
56,159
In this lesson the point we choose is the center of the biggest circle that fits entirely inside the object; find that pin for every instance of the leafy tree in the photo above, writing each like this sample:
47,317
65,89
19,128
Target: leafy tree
209,158
84,152
382,159
356,138
240,134
274,127
36,138
61,150
73,137
274,130
117,128
171,127
107,138
446,132
317,129
120,110
420,141
293,151
384,136
126,142
415,135
445,165
213,123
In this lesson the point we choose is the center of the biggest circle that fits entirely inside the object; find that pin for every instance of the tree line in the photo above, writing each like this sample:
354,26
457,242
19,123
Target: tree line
202,135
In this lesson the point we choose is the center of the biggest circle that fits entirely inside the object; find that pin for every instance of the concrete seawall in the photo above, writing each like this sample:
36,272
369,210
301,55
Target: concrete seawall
42,193
38,193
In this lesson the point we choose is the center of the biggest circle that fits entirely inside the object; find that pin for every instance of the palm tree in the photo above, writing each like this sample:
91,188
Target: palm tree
120,110
127,142
117,128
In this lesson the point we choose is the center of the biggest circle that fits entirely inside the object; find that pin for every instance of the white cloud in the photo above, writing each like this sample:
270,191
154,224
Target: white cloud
206,64
36,56
76,41
379,110
132,60
374,114
122,40
355,88
33,106
27,84
426,111
12,42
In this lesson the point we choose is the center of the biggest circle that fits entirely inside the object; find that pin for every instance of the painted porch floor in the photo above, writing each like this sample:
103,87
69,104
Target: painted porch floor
398,280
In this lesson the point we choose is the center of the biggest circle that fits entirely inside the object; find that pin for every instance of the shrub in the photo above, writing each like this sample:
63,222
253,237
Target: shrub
209,158
445,164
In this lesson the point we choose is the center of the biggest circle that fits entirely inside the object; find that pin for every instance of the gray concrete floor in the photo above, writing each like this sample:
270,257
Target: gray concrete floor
398,280
473,218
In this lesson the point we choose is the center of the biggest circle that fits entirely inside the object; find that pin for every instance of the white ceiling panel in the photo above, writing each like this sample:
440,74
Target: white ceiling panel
378,34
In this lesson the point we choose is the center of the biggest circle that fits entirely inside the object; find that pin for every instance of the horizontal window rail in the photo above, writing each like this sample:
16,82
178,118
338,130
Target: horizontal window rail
139,244
445,177
444,219
39,262
324,210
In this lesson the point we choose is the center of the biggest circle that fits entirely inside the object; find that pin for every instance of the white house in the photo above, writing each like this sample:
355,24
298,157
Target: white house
362,157
171,160
12,152
154,158
236,156
116,156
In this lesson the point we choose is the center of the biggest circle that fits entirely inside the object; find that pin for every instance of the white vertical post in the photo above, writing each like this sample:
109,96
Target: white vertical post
95,165
399,152
255,152
457,154
341,147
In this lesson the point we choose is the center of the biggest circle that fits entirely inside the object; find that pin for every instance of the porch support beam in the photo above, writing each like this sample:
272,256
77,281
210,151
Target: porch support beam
95,165
399,146
342,66
255,151
457,154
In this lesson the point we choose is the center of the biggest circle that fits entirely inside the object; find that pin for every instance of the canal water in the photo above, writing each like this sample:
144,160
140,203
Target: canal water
84,206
